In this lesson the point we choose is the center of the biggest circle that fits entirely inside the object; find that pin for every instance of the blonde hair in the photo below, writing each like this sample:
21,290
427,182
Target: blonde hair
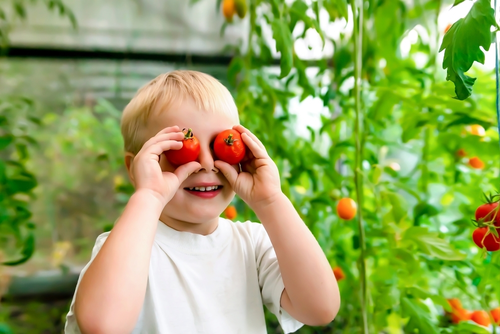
173,87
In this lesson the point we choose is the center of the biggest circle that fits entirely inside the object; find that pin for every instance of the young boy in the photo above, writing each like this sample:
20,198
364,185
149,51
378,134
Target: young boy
171,264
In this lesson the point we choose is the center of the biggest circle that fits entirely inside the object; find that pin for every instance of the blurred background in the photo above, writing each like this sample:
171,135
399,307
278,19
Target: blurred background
401,148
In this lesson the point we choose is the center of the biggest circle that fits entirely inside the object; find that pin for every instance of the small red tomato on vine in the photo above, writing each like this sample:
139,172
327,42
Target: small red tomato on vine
476,163
480,318
229,147
487,213
189,151
339,273
484,238
347,208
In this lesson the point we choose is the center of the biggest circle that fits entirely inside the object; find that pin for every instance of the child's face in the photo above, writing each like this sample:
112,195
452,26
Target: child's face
197,212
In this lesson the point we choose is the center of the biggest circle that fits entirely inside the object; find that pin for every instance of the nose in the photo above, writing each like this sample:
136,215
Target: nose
206,159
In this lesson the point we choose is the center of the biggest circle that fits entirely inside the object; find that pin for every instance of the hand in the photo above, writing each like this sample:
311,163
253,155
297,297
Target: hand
146,170
259,182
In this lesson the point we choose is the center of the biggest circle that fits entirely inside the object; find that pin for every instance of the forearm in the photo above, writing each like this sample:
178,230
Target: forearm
111,292
311,291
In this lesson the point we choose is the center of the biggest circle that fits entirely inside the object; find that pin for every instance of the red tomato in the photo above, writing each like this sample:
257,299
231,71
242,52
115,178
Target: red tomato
339,273
487,212
490,242
476,163
189,151
480,318
495,313
229,147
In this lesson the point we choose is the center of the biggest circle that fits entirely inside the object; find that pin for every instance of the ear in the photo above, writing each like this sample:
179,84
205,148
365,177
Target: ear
129,160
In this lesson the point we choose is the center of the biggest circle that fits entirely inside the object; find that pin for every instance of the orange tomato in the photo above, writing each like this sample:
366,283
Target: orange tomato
230,212
447,28
346,208
476,163
339,273
480,318
477,130
495,313
455,303
228,9
459,315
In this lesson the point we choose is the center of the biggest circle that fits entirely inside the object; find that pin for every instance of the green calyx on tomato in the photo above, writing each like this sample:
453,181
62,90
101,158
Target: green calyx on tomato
229,147
189,151
487,214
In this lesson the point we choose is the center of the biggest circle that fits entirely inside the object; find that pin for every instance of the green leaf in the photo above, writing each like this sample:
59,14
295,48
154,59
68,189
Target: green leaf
5,141
275,5
26,252
429,243
398,211
298,11
235,67
419,319
422,209
462,45
457,2
469,327
284,44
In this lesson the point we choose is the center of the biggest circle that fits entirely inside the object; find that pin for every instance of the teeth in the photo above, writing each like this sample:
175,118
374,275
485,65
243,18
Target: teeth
204,188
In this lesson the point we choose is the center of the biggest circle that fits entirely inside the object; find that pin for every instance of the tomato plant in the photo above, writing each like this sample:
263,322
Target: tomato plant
189,151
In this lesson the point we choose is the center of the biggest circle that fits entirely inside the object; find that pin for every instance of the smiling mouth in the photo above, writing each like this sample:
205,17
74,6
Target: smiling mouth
204,189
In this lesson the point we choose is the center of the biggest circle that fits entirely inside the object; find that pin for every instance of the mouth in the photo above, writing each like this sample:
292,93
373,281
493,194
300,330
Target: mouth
204,192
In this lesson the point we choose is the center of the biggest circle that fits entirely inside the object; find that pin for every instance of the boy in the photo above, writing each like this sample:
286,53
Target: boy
171,264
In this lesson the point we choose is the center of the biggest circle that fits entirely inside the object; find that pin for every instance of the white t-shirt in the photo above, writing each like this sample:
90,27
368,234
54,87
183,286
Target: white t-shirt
216,283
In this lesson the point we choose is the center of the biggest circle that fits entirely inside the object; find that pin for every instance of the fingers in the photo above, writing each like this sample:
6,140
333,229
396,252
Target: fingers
163,142
258,151
241,129
228,171
185,170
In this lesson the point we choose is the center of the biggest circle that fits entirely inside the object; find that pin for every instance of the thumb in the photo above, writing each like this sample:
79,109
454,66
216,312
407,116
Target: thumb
182,172
228,171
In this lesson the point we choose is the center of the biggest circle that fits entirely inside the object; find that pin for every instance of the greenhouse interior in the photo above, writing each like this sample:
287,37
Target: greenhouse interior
369,166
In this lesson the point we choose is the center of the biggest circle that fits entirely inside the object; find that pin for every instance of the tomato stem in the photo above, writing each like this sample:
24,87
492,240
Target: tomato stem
229,140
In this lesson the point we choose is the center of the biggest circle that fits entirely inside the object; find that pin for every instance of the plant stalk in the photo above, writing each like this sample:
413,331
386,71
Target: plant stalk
358,179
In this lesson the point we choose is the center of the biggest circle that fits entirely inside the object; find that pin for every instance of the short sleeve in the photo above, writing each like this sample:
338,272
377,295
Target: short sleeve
271,282
71,326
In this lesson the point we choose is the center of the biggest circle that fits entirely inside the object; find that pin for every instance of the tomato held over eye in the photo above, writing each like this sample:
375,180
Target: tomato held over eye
490,241
229,147
189,151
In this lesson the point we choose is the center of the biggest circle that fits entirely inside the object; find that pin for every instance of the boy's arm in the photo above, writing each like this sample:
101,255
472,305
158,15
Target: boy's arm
111,292
311,293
